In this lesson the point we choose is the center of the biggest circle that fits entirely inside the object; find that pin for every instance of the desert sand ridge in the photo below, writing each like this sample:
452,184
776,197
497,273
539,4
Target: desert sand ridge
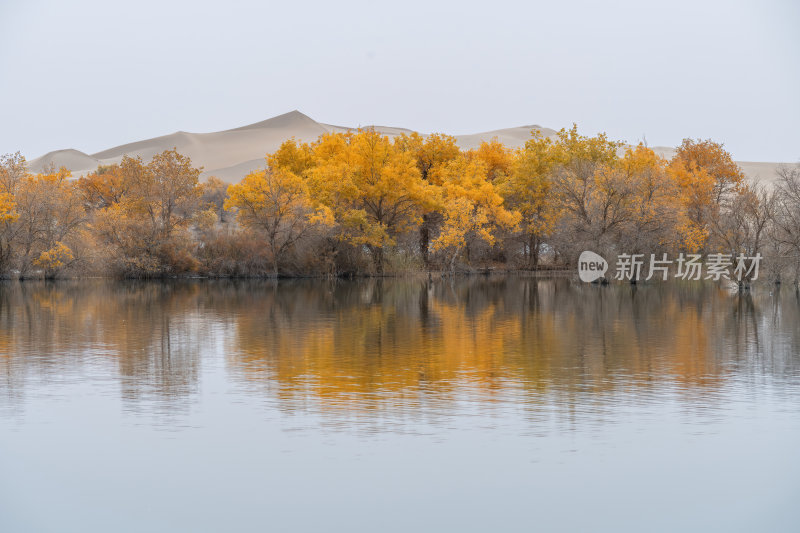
69,158
512,137
231,154
292,119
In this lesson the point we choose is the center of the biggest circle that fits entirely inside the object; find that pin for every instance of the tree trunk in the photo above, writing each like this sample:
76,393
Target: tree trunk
533,252
453,263
377,259
424,239
275,252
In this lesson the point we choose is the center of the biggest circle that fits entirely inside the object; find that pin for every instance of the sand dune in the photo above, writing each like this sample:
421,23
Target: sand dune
232,154
760,172
513,137
69,158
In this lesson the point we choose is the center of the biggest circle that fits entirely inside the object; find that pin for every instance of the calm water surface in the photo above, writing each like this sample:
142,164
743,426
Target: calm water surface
499,404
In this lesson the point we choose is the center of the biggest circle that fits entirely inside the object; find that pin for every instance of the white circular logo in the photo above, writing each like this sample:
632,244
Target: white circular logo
591,266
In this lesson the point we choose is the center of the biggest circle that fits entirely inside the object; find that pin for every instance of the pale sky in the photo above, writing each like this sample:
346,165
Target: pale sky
95,74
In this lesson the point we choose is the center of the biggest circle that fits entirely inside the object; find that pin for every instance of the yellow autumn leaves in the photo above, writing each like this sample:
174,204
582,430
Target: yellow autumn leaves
362,202
372,190
578,191
39,214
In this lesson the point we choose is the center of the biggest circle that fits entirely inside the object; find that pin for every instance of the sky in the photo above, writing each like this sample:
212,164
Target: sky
91,75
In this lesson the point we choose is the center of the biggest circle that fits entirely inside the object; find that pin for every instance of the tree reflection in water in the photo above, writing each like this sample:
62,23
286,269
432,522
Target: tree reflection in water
393,349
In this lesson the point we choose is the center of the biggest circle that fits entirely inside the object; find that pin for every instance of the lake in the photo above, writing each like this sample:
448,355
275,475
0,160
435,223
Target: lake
469,404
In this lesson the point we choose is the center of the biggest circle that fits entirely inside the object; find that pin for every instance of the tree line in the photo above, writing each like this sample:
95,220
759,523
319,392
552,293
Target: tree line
362,203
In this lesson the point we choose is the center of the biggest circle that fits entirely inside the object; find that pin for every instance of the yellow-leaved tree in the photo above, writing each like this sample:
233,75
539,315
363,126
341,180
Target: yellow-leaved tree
51,212
371,188
431,153
295,157
7,204
496,156
275,202
472,207
12,170
709,180
594,199
213,193
696,187
655,216
54,259
528,189
716,161
146,229
105,186
8,216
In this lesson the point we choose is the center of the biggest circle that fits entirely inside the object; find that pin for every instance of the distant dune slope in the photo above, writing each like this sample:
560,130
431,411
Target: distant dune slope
232,154
513,137
69,158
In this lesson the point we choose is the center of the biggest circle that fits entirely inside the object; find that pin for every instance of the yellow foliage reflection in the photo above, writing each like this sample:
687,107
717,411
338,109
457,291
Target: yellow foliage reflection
395,345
